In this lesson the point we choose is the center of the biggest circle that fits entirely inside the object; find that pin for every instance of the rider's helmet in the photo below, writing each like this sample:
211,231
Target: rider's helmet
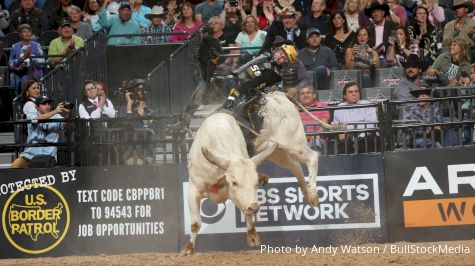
286,53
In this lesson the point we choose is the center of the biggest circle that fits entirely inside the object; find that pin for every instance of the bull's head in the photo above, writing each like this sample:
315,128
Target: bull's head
241,177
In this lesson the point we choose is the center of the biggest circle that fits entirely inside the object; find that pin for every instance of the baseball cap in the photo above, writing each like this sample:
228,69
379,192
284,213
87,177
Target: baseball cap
42,99
312,31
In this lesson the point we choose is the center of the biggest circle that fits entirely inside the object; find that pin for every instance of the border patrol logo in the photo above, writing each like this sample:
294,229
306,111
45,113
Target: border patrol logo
36,220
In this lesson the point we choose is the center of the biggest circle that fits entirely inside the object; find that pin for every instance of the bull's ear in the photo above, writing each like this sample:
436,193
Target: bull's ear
215,159
261,157
263,179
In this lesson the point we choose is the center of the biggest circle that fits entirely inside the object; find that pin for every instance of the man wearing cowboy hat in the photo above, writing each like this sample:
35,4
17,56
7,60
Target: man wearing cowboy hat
462,26
156,16
381,28
411,81
287,28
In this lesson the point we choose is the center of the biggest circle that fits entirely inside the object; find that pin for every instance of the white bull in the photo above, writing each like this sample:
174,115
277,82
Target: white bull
219,168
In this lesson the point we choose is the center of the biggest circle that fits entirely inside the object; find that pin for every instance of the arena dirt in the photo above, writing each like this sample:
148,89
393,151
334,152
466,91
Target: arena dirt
257,258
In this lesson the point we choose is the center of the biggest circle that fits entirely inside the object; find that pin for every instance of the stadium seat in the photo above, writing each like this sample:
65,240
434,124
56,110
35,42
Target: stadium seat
10,39
339,78
377,93
388,77
47,37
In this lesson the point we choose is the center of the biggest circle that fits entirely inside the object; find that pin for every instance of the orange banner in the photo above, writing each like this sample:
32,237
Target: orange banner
439,212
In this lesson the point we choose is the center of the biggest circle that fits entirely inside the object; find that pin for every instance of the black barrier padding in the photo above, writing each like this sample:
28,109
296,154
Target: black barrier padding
399,168
328,165
126,62
157,218
7,94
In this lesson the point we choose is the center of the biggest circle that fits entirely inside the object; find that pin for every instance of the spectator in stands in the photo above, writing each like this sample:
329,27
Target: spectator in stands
156,16
28,14
31,91
399,47
4,21
139,11
412,80
397,13
381,29
316,18
308,98
450,65
81,29
120,24
94,106
265,13
172,13
355,16
423,112
361,56
90,13
340,37
60,12
41,133
288,28
20,63
424,35
209,8
318,58
136,106
65,44
230,18
462,27
250,36
436,12
188,23
367,116
104,102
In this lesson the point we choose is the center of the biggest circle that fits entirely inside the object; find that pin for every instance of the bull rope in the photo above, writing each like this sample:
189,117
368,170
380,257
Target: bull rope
322,123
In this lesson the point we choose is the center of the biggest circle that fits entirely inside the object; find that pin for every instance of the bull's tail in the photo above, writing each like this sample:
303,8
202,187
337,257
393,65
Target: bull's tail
322,123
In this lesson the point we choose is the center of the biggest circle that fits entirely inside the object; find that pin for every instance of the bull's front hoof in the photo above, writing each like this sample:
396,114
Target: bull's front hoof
187,249
312,196
253,239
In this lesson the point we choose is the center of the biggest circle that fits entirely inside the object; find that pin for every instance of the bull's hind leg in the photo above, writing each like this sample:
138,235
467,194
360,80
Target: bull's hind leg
194,200
252,238
291,160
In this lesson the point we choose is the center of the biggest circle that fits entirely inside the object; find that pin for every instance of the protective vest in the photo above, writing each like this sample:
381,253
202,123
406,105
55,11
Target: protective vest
290,75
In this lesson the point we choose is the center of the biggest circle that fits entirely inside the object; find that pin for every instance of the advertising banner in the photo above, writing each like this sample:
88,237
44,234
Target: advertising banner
82,211
350,208
430,196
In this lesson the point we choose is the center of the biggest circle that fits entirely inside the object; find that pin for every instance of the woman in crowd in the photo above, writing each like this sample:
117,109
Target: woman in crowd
265,14
101,93
231,19
340,37
449,66
436,12
30,92
250,36
362,56
423,34
172,15
355,16
188,22
58,13
399,48
138,13
90,13
397,12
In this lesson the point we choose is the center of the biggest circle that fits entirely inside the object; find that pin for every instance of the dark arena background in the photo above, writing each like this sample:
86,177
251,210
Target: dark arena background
118,194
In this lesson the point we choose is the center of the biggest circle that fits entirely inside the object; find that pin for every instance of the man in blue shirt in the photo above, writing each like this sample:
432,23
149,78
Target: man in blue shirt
121,24
209,8
41,133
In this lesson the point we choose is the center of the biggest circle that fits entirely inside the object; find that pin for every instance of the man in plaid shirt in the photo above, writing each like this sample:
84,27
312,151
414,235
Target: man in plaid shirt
157,27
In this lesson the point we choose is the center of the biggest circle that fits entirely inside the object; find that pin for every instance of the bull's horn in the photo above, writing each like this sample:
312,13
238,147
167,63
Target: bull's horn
261,157
214,159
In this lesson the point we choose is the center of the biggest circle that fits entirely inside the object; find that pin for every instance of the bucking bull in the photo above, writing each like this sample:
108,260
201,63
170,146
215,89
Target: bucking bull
220,168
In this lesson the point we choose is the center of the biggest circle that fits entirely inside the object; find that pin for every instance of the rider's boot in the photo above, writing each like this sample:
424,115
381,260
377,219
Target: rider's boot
233,95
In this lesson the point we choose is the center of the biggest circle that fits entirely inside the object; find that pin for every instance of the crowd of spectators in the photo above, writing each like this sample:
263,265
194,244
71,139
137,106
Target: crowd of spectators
421,37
